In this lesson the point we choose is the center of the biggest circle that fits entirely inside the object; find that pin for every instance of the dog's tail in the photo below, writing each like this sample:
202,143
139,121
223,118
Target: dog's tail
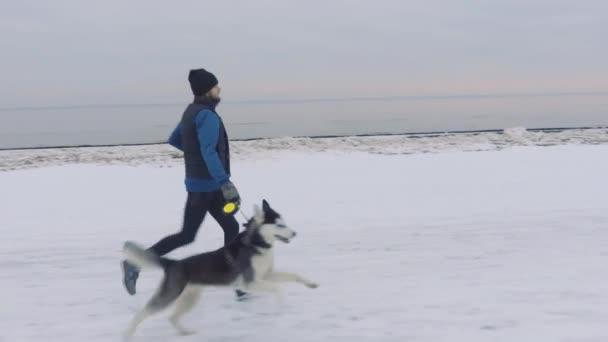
143,258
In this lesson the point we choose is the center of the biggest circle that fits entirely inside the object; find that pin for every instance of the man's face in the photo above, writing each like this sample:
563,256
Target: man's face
215,92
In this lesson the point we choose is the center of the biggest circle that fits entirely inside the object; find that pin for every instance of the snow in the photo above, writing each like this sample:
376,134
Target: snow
488,238
165,155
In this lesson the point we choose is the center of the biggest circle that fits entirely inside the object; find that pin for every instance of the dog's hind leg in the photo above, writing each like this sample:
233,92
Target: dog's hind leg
170,289
183,305
154,306
135,322
290,277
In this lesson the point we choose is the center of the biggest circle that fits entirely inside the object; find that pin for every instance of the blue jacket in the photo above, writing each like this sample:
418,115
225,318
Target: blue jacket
208,131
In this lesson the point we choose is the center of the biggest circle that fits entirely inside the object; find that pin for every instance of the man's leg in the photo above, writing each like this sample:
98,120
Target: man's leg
229,225
195,210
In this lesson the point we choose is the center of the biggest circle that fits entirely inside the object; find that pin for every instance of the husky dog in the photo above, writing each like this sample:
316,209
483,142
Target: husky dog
245,264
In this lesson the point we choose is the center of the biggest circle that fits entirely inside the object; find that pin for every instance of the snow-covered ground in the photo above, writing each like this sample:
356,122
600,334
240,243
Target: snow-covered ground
163,155
487,238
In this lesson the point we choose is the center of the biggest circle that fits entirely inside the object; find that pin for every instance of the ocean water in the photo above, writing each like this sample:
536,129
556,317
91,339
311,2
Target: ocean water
150,123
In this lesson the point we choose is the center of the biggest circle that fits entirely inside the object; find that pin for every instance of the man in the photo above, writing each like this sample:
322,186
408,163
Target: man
202,137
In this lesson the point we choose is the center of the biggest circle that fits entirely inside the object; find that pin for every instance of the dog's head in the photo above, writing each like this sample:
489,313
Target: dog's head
269,225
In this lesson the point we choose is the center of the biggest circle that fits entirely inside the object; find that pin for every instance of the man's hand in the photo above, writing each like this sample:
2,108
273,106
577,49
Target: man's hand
229,192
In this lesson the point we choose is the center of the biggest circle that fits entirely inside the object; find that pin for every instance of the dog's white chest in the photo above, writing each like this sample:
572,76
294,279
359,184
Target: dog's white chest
262,264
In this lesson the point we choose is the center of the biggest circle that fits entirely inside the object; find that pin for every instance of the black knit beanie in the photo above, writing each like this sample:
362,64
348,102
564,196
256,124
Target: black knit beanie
201,81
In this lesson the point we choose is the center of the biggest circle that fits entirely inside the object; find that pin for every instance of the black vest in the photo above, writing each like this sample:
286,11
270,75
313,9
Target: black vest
193,158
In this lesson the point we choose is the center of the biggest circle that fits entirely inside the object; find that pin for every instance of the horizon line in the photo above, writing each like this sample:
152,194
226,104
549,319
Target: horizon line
321,100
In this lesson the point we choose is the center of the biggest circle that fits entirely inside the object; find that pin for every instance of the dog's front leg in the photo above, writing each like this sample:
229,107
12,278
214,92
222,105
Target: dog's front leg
291,277
265,286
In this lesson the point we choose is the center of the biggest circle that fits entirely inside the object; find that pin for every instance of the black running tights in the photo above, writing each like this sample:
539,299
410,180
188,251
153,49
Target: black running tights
197,206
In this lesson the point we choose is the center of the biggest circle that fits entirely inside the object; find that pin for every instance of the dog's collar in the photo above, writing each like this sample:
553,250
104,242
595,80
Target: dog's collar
254,240
261,244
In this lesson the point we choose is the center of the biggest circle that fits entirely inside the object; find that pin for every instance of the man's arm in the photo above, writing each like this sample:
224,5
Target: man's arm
208,131
175,139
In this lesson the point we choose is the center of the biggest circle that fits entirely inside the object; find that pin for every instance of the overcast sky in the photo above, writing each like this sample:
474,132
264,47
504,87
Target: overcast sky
72,52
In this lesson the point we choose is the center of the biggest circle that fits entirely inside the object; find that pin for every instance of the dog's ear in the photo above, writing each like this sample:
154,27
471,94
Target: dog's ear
258,214
265,206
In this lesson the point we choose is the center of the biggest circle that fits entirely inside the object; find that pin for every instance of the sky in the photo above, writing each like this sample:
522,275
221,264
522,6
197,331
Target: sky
77,52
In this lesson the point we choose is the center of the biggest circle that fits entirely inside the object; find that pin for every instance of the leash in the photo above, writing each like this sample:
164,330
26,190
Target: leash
244,216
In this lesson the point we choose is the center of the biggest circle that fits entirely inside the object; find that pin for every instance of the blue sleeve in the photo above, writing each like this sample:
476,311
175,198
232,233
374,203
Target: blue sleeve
175,139
208,131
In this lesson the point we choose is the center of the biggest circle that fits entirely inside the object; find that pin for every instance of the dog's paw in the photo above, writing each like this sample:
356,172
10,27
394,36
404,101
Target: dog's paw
312,285
180,329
